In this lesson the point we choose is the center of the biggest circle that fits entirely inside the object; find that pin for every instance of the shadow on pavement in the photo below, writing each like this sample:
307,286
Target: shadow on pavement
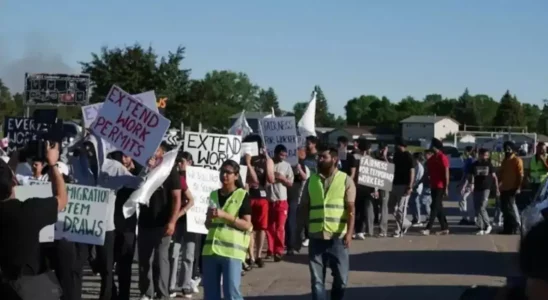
397,293
429,262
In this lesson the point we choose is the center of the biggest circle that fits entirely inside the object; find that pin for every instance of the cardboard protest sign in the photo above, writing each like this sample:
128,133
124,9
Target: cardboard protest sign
376,173
210,150
84,219
280,131
250,148
37,182
201,183
130,126
20,131
89,112
23,193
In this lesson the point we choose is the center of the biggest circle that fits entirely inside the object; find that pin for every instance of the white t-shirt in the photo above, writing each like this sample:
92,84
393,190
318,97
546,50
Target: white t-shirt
277,191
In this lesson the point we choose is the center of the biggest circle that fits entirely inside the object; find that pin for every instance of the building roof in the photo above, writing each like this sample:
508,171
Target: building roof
426,119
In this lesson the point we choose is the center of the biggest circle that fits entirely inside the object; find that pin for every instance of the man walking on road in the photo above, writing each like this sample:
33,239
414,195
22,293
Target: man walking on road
438,172
404,176
328,205
511,178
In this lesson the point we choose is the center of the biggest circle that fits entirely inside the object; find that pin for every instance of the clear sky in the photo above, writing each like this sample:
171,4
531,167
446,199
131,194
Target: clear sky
353,47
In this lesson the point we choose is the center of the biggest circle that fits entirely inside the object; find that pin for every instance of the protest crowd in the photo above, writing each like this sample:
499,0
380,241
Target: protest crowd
207,211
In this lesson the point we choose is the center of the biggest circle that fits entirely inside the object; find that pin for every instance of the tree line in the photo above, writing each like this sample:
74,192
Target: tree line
211,100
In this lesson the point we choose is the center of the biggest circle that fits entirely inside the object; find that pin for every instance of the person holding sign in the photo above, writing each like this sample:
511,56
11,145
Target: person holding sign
20,224
92,168
327,205
229,224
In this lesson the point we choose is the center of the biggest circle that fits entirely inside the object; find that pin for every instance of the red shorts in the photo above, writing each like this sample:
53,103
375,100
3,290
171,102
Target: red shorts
259,213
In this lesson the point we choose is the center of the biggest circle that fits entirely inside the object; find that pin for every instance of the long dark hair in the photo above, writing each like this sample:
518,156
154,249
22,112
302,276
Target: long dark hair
236,167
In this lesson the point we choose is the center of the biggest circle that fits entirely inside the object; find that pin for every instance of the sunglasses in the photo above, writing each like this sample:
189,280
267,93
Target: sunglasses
227,172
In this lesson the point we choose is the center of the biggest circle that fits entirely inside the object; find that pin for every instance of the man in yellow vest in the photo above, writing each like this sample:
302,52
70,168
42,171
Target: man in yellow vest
538,169
327,208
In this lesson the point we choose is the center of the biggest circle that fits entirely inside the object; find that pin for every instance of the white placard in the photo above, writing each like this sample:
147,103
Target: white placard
130,126
89,112
210,150
250,148
84,219
23,193
201,182
280,131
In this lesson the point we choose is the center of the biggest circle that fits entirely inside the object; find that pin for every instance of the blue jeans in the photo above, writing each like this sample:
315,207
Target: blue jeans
231,270
323,254
419,204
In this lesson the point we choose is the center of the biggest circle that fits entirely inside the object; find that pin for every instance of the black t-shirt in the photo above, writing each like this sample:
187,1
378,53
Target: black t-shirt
349,163
483,174
245,209
158,212
120,222
259,165
20,225
403,163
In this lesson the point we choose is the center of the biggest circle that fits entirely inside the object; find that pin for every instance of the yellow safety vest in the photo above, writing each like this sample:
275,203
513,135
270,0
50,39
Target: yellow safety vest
327,209
538,171
224,239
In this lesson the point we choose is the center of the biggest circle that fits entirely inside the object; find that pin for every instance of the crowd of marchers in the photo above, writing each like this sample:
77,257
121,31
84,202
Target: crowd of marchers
279,208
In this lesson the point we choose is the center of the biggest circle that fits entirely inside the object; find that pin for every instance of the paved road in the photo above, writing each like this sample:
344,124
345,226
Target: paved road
413,267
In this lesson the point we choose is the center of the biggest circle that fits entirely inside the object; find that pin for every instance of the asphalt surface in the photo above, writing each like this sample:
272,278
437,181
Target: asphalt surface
412,267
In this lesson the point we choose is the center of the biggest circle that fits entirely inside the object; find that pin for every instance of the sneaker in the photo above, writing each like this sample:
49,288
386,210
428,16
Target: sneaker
277,257
418,224
481,232
195,284
305,243
443,232
397,235
425,232
382,235
145,297
489,229
187,293
360,236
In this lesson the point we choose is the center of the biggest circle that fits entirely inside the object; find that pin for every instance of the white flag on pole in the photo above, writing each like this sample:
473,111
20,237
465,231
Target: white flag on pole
241,127
307,123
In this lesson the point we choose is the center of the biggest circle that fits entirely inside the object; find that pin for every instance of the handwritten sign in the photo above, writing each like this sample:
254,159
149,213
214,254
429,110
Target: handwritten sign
37,182
211,150
20,131
23,193
130,126
250,148
280,131
201,183
376,173
84,219
89,112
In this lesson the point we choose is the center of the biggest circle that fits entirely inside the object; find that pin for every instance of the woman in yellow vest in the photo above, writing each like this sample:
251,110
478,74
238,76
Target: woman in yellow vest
229,224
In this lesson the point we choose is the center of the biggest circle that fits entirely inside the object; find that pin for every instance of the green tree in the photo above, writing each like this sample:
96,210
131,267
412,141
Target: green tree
509,112
542,124
268,100
383,113
5,94
220,94
465,110
531,114
409,106
486,109
357,109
